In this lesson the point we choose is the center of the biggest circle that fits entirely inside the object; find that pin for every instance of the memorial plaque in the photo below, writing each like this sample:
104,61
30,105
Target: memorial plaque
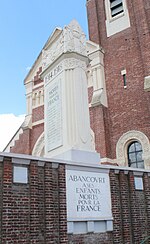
88,195
54,115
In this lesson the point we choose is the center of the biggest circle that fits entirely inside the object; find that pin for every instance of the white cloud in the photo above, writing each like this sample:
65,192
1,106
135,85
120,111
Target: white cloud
9,124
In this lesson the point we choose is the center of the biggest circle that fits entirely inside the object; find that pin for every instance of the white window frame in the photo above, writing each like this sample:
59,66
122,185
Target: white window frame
123,143
117,23
108,10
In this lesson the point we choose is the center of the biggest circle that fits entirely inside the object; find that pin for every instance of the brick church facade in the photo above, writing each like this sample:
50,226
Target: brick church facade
123,32
118,86
40,196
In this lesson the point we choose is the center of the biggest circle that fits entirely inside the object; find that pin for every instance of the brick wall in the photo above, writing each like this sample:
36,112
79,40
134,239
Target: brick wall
98,122
129,208
37,130
35,212
23,144
128,109
27,140
104,238
38,114
37,78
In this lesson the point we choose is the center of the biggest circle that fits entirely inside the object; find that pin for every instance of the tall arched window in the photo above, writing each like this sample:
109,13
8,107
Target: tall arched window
135,155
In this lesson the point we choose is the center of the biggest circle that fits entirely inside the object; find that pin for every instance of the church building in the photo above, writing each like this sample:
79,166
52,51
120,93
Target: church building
115,66
78,169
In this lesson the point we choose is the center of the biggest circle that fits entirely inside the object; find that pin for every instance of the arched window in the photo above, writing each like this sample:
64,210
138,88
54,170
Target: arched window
135,155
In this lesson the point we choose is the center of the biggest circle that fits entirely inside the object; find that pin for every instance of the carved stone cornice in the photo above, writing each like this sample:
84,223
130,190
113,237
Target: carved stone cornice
71,39
72,63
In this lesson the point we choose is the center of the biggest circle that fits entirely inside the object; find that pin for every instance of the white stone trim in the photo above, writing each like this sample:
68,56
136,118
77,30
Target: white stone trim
71,39
27,124
147,83
84,227
72,165
96,75
125,140
39,85
123,72
20,162
117,23
39,146
38,122
108,160
29,87
38,97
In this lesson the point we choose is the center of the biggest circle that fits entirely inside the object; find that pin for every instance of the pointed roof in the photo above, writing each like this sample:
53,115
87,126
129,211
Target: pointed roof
38,61
73,39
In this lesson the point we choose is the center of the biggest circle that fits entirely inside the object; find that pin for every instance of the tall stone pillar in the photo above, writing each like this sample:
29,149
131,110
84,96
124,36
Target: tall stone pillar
67,123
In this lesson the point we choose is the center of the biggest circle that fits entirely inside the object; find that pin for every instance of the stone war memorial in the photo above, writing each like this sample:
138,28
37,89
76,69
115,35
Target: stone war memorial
57,182
67,121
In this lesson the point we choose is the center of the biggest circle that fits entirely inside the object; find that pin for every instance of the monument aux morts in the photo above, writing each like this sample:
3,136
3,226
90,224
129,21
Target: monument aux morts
57,123
119,48
67,121
66,127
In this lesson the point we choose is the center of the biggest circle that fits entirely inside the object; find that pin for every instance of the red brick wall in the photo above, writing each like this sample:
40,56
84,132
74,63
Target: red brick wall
27,140
36,212
33,212
98,121
37,79
104,238
129,208
38,114
37,130
128,109
23,145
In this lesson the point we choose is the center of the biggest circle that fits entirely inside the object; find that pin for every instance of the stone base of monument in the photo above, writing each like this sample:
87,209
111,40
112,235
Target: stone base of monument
79,156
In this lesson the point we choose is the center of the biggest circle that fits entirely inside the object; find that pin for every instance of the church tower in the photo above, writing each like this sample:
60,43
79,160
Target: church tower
122,128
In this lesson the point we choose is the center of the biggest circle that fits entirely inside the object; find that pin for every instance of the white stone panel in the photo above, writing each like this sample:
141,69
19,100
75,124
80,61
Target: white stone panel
20,174
88,196
53,115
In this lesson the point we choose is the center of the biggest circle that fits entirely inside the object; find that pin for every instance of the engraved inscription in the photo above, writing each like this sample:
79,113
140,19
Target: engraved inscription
54,116
88,195
53,73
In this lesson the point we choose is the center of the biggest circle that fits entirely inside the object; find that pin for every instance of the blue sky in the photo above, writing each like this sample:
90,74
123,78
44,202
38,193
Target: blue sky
25,26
